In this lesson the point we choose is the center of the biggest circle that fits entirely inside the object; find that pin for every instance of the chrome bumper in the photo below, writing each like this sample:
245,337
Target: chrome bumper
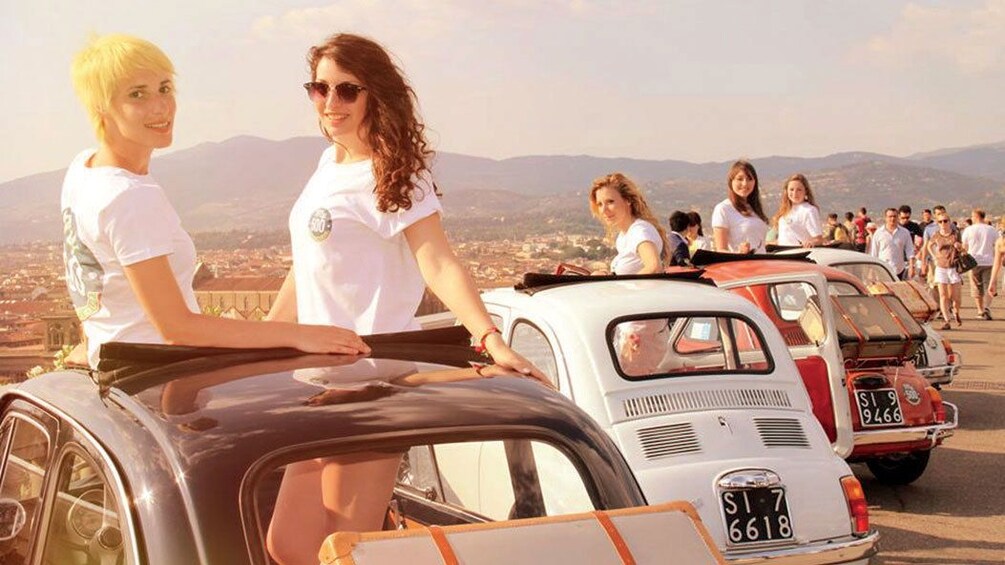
939,374
934,433
847,550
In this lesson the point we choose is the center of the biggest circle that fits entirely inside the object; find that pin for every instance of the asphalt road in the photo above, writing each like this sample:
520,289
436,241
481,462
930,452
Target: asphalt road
955,513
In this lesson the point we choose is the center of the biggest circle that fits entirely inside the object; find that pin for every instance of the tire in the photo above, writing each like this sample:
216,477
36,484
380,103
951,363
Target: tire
901,469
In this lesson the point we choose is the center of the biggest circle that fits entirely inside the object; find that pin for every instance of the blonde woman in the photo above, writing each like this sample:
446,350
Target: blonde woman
798,218
637,235
129,262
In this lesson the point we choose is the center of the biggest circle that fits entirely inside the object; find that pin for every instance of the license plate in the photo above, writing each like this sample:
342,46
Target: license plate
879,407
756,515
921,358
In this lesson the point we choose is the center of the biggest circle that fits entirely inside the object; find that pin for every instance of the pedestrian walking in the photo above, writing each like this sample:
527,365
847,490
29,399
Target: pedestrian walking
979,241
943,246
893,245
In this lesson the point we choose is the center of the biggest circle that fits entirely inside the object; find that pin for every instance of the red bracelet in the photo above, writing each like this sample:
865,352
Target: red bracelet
479,346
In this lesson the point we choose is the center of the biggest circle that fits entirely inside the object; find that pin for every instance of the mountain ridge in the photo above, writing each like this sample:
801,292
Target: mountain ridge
248,182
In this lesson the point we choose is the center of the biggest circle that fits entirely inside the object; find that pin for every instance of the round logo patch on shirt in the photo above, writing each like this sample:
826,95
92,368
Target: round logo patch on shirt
320,224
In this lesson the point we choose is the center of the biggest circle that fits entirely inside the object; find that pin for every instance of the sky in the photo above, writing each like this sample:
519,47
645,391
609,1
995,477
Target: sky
672,79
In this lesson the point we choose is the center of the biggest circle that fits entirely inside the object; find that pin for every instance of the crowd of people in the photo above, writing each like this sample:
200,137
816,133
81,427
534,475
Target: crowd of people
937,251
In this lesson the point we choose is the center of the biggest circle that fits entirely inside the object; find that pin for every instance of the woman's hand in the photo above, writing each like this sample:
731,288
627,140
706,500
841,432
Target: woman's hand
511,362
745,247
329,339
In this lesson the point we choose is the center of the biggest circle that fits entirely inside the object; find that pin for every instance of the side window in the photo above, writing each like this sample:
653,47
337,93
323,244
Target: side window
21,489
84,525
798,302
530,342
496,480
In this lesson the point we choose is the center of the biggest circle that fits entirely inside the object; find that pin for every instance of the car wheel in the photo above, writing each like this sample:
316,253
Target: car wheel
901,469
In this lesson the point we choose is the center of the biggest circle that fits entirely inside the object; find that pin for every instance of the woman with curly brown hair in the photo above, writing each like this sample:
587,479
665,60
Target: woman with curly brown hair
636,233
366,239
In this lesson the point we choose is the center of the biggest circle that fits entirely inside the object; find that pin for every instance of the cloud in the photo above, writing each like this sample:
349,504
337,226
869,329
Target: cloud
415,18
971,39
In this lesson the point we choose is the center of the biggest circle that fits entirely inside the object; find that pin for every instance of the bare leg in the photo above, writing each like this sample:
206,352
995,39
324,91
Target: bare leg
944,301
957,302
322,496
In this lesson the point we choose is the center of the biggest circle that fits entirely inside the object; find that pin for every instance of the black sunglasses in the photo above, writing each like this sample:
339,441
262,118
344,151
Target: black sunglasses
943,221
346,91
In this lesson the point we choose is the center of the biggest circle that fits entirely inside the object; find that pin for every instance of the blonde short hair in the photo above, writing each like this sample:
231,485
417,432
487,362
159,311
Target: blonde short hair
104,63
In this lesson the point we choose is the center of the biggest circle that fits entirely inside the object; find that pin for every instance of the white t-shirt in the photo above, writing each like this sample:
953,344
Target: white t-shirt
751,229
980,241
352,265
799,225
113,218
627,261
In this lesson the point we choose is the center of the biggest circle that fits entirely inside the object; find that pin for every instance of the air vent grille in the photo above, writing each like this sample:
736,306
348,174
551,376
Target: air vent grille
672,439
781,432
691,401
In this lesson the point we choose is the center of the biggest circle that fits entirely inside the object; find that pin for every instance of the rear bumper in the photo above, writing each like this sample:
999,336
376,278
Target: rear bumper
939,374
845,550
930,436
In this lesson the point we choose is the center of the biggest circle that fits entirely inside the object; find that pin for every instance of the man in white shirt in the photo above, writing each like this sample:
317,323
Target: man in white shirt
979,241
893,244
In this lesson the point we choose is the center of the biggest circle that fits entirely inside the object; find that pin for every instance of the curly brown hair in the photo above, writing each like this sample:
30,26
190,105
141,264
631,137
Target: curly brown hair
394,129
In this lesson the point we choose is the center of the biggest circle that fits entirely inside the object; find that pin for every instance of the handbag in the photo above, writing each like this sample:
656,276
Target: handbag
964,262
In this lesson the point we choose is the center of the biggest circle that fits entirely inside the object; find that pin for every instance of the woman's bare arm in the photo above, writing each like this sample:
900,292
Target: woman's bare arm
452,283
155,288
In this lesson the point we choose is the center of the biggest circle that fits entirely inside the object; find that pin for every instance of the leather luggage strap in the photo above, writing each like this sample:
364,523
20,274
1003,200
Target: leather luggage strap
615,536
446,552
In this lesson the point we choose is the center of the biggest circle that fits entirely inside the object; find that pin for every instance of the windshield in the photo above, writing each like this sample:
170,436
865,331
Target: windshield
687,344
869,272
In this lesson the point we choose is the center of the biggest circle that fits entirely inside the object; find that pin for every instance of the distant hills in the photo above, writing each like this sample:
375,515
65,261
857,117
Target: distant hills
249,183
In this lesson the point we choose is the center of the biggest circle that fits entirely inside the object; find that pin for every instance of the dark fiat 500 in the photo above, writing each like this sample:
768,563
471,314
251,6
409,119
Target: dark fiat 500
175,455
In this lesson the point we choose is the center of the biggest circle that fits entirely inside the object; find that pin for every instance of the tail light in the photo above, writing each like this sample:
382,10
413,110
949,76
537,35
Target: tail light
951,357
937,406
858,508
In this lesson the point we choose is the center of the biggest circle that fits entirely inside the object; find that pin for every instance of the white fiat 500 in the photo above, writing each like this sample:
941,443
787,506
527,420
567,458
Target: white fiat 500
937,361
698,390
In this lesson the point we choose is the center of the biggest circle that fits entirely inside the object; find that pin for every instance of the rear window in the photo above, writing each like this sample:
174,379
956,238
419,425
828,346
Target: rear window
687,344
869,272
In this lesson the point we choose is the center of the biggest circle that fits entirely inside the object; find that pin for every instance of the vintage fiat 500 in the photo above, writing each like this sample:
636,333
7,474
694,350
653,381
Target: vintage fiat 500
175,455
697,389
936,361
865,343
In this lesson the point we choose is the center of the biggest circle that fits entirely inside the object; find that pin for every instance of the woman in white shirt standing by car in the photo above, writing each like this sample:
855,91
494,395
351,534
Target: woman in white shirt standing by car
738,222
367,239
798,218
640,240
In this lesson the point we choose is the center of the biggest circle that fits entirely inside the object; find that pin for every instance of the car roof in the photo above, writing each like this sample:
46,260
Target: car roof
647,295
755,267
829,256
191,431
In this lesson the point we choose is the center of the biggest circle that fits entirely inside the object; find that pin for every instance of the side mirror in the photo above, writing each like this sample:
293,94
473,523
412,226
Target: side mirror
12,518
